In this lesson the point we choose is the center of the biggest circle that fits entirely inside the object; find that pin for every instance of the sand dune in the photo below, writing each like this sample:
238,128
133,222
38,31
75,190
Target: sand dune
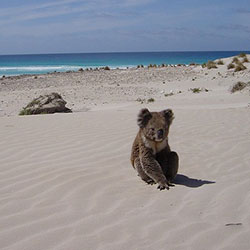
67,183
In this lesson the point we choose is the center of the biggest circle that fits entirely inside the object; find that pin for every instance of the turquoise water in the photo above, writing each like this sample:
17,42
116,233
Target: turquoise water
44,63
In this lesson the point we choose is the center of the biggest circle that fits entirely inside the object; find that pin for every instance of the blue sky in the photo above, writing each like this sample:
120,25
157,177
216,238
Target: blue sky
64,26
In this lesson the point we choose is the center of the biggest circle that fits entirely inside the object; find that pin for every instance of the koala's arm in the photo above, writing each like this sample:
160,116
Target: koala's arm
152,168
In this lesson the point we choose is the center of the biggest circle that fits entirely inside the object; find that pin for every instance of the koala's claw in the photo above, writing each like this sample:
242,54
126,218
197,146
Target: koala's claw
150,182
163,186
170,184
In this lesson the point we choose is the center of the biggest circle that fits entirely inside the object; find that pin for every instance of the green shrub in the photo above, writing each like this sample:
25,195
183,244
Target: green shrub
196,90
211,65
235,60
239,67
169,94
151,100
25,112
242,55
220,62
245,60
230,66
238,86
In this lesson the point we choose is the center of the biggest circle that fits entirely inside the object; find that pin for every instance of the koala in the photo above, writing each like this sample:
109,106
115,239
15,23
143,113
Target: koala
151,155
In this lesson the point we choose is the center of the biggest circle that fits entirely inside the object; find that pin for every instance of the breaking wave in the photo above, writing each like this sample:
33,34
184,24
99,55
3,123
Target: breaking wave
40,68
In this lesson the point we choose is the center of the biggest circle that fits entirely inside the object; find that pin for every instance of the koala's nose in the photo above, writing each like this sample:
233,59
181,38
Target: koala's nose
160,133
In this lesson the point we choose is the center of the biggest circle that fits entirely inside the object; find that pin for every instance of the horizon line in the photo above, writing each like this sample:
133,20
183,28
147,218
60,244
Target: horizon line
117,52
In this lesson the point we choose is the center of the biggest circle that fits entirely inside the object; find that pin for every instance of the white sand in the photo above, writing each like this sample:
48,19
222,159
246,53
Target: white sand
66,181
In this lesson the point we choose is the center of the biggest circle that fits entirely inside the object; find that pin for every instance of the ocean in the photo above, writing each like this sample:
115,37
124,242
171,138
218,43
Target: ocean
45,63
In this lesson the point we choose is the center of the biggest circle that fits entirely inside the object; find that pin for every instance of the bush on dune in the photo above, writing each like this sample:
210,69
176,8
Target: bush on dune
211,65
230,66
220,62
239,86
245,60
239,67
242,55
235,60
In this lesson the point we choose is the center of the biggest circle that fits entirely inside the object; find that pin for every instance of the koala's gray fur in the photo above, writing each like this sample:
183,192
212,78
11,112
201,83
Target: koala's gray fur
151,155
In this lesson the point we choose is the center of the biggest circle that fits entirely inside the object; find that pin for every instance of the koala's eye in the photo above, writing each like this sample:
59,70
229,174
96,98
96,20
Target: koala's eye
152,129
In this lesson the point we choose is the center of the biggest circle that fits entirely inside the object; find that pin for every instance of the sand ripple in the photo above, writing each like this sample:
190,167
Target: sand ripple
66,183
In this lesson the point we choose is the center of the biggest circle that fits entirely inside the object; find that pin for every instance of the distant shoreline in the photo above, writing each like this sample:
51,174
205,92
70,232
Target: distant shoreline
14,65
98,88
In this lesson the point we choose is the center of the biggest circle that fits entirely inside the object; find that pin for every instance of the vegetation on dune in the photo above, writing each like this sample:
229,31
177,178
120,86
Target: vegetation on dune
239,86
239,67
235,60
169,94
245,60
25,112
198,90
230,66
211,65
220,62
151,100
242,55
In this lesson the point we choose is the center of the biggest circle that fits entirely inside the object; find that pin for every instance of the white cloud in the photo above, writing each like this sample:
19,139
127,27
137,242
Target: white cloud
56,8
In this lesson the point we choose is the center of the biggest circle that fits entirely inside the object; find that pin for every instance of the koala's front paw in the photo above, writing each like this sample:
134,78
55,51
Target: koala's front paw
163,186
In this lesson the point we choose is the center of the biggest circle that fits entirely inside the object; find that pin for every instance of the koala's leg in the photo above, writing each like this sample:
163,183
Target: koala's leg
141,172
172,166
153,169
169,163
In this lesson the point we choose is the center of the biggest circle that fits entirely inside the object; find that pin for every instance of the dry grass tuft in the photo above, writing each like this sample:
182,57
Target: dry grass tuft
235,60
220,62
211,65
230,66
239,86
239,67
242,55
245,60
150,100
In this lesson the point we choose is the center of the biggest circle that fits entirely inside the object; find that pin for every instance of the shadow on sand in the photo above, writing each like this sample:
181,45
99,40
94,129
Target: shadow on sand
190,182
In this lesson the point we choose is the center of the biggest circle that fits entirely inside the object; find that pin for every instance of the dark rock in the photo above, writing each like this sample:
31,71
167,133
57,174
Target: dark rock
46,104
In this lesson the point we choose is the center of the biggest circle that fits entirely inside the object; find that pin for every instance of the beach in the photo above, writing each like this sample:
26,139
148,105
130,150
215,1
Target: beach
67,181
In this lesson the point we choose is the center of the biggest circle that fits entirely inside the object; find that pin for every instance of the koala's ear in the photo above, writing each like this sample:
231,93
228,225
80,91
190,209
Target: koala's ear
143,117
169,115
